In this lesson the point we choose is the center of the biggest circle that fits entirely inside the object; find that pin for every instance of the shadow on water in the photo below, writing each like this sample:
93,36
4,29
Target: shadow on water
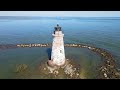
49,53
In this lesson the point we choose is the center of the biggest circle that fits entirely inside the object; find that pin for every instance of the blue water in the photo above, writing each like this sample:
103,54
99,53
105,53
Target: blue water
101,32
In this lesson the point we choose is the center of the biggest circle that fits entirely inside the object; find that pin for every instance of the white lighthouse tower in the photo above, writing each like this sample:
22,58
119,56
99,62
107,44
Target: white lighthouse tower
58,53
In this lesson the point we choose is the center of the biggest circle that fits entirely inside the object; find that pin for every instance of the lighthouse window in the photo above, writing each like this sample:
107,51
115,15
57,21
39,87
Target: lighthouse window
60,51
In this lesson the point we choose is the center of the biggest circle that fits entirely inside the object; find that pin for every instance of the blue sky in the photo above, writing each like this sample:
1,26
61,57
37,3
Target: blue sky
62,13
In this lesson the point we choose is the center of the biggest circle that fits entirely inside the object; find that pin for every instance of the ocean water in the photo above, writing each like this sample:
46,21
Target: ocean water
103,32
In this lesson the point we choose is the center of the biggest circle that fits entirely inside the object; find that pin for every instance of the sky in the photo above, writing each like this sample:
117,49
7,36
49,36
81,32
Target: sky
62,13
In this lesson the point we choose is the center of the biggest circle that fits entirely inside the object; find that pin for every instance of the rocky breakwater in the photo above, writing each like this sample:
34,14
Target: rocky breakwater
7,46
33,45
13,46
108,68
70,70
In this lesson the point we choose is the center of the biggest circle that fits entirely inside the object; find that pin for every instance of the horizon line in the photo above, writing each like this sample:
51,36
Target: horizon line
54,16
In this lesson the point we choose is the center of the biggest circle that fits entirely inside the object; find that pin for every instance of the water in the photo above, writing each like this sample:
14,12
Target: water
101,32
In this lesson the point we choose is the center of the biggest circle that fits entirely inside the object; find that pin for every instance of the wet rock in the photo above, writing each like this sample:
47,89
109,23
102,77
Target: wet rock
44,68
117,74
105,74
68,72
21,68
77,74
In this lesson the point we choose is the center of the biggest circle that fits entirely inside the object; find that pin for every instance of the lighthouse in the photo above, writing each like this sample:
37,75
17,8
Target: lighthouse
58,52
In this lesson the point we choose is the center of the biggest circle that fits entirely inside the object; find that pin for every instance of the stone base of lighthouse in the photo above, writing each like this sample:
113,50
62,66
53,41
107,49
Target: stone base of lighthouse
52,63
68,70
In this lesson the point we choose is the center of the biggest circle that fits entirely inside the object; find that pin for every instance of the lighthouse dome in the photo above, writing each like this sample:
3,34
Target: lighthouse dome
57,28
